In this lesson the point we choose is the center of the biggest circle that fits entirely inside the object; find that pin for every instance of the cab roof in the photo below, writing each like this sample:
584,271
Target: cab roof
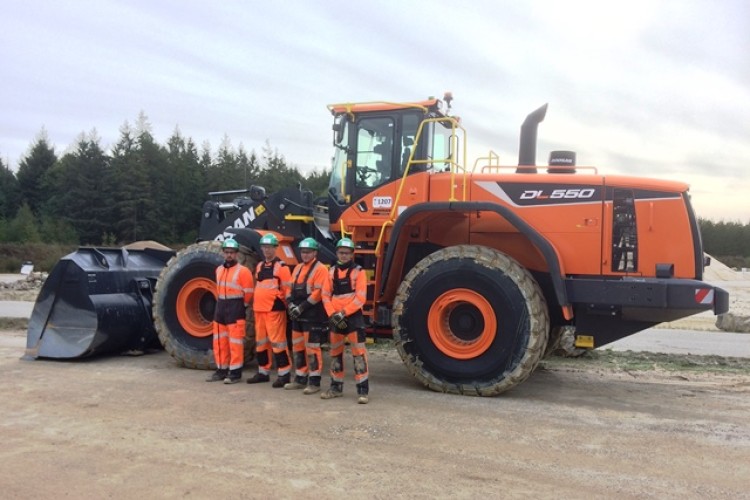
431,104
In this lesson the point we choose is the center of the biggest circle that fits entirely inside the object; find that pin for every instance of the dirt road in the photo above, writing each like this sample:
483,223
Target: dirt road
143,428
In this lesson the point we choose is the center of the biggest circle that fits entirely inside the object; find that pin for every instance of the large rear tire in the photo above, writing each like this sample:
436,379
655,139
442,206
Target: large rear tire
184,304
470,320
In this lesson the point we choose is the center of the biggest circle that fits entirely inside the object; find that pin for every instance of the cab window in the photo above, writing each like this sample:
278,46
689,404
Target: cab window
374,155
409,126
337,184
439,150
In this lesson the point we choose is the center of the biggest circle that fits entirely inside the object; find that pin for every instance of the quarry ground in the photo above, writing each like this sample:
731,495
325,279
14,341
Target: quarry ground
629,426
624,425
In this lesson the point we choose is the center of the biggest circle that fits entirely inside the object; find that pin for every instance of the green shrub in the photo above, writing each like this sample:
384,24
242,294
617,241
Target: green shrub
43,256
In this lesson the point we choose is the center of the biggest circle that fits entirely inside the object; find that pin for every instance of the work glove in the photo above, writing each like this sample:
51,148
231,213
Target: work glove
338,320
294,312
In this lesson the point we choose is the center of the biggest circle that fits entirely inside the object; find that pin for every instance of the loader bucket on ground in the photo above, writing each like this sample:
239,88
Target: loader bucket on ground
96,300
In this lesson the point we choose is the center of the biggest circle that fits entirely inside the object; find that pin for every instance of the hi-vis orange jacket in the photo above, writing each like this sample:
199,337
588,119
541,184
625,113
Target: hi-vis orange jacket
307,290
273,283
342,294
234,287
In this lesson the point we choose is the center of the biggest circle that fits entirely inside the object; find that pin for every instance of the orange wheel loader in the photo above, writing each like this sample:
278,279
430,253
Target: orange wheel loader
476,270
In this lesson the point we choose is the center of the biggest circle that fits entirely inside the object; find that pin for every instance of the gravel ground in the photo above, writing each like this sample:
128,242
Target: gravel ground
144,428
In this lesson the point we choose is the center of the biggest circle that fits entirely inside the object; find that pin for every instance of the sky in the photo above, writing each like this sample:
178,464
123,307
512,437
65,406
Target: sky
645,88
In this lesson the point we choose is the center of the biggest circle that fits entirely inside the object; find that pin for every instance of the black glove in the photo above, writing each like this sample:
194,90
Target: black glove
294,312
338,320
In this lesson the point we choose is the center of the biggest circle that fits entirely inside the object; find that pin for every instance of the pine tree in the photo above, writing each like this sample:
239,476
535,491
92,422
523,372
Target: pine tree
32,169
275,174
129,184
185,192
152,160
24,227
10,192
80,190
317,182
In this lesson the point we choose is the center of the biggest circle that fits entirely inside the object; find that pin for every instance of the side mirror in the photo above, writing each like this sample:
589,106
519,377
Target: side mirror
339,125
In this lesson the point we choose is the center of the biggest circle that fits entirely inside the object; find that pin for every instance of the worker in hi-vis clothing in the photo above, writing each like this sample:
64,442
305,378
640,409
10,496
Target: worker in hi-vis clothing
234,290
272,283
305,309
344,294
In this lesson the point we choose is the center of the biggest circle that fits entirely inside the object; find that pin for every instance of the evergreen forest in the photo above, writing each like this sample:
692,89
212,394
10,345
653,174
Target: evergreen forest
143,190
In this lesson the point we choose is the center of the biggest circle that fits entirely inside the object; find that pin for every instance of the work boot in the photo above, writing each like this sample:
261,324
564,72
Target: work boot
258,378
217,375
293,385
331,393
311,389
233,377
280,381
363,399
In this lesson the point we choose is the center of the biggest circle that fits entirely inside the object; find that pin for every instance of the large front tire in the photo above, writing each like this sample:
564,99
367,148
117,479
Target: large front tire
470,320
184,304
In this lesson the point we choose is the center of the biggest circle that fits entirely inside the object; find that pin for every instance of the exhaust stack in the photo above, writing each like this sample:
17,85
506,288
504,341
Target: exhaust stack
527,146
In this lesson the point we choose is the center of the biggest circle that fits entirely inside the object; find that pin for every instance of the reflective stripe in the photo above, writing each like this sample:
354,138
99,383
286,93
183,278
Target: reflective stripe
231,288
236,340
337,344
265,284
262,342
310,273
279,345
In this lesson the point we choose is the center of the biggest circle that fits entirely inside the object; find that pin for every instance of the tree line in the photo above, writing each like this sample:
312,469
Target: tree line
727,241
140,190
143,190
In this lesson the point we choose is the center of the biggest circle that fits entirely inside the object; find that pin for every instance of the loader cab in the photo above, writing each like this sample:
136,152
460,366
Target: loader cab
373,144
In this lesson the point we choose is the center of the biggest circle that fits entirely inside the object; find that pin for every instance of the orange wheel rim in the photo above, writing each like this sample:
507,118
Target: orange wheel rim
462,323
190,306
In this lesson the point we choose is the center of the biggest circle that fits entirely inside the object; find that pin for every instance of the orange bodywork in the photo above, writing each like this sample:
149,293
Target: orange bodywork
366,107
578,225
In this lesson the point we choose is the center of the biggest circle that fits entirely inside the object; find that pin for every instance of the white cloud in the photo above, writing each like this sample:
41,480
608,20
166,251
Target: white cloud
648,88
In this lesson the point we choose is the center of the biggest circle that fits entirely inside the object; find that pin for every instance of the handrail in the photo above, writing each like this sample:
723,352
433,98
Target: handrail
344,232
487,169
381,235
454,168
493,160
